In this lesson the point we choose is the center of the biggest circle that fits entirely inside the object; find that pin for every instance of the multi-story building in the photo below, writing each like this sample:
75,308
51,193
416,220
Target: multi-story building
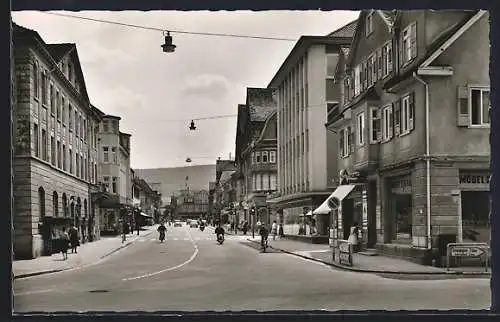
256,144
115,175
54,142
414,127
191,204
306,150
224,169
146,202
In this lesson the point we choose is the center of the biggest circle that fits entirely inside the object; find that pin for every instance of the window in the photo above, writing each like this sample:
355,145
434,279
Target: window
70,117
44,88
44,145
52,151
361,128
272,156
387,126
106,154
265,155
407,111
115,185
380,64
113,153
84,130
387,59
59,155
373,63
265,181
58,106
70,72
480,106
374,125
272,181
70,161
82,165
64,111
36,80
52,100
77,124
64,164
105,126
106,183
409,43
344,141
257,157
369,71
357,80
95,172
77,164
369,24
253,158
36,140
331,64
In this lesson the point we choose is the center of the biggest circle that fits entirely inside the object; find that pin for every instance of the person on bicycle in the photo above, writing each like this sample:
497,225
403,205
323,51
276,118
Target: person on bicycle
264,233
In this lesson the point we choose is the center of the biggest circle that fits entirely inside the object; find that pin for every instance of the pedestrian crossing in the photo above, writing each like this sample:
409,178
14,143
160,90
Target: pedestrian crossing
230,237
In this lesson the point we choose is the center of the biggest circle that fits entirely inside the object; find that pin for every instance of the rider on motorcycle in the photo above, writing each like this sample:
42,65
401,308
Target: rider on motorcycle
264,233
162,229
219,231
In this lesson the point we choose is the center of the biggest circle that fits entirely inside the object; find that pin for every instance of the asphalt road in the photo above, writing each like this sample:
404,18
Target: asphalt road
191,272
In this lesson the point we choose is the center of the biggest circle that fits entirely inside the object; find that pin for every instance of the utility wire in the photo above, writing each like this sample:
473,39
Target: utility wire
169,30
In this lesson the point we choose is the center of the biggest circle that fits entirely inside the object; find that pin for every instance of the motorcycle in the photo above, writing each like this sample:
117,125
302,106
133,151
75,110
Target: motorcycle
162,236
202,228
220,238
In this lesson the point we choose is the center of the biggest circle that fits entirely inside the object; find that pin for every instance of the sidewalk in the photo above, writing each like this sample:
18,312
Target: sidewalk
87,254
364,263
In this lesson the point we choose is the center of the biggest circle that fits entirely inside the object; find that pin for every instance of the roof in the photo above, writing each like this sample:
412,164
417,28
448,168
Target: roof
260,103
345,31
300,48
430,50
57,51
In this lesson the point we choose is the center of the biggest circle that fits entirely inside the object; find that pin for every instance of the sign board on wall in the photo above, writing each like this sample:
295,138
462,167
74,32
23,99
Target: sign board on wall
401,185
470,179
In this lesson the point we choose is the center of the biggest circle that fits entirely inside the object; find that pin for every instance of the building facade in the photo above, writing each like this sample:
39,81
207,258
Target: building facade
306,150
115,175
256,151
54,142
414,127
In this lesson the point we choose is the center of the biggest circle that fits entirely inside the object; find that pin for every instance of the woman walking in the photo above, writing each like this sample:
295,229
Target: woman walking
64,238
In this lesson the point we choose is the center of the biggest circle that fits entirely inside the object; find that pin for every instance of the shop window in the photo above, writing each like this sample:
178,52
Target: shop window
264,156
475,216
403,213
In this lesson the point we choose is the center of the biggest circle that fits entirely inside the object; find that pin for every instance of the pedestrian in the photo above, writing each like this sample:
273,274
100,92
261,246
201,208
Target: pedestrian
353,236
274,229
73,239
245,227
64,240
280,231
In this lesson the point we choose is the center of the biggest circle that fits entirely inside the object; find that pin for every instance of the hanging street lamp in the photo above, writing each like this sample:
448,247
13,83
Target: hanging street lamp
168,46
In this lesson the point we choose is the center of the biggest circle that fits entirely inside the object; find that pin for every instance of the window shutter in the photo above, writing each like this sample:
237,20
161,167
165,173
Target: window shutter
390,58
413,40
397,117
400,50
378,122
380,62
463,116
391,122
351,139
384,60
341,143
375,67
411,119
365,69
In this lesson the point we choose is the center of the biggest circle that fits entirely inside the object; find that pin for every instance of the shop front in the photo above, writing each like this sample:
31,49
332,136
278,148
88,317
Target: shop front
399,208
474,206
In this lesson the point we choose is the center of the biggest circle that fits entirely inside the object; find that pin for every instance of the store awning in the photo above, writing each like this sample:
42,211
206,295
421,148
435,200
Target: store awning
340,193
146,215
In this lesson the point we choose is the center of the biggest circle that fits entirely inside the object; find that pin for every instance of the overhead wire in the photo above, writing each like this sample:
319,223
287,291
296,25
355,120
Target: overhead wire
169,30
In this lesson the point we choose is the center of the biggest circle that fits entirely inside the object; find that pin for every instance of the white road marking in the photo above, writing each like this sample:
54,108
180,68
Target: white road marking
189,260
34,292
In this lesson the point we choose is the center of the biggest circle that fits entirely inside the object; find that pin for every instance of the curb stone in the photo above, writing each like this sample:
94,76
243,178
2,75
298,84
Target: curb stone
360,270
20,276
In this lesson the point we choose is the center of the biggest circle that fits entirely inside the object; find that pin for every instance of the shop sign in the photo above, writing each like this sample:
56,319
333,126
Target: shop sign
467,250
401,185
471,178
345,253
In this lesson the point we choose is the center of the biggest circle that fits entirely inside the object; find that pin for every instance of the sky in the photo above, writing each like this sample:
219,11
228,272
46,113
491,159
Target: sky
157,94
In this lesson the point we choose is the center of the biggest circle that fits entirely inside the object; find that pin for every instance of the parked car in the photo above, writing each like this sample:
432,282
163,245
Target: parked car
177,223
193,224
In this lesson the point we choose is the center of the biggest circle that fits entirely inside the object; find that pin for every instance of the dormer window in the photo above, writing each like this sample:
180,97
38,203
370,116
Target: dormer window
369,24
409,43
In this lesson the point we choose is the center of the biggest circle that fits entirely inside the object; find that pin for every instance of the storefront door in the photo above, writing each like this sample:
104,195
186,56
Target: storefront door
475,216
401,209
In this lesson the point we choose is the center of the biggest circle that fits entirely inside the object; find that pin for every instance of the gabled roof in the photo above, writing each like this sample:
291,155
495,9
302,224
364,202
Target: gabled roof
344,31
53,52
432,48
260,103
270,119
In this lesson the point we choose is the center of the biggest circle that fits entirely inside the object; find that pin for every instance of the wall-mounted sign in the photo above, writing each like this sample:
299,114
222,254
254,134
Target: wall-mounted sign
474,178
401,185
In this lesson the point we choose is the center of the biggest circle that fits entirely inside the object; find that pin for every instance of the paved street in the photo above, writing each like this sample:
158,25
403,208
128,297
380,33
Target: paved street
192,272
